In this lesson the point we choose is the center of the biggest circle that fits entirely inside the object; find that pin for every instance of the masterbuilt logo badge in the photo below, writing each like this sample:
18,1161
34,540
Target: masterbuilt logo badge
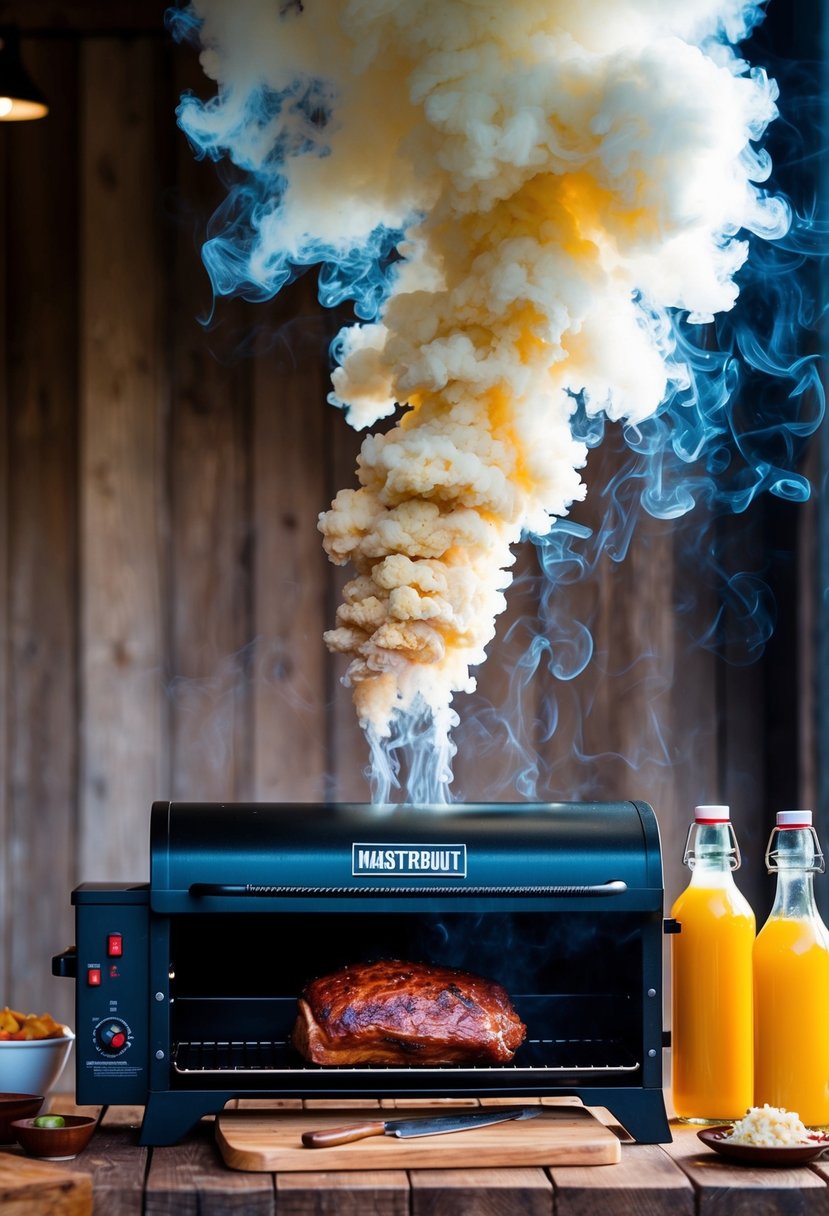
409,860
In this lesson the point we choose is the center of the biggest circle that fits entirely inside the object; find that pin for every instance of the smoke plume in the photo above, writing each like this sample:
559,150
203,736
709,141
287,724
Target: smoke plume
520,199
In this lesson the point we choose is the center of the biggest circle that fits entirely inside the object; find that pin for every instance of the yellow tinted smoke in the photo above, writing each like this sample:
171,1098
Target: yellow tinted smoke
578,169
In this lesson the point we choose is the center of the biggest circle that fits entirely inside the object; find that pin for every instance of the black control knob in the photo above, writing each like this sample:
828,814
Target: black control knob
112,1035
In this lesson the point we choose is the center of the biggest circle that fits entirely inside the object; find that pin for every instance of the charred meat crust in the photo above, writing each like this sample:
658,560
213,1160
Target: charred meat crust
391,1012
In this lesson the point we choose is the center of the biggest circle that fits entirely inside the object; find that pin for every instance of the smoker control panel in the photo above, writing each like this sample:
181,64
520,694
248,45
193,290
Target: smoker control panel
111,996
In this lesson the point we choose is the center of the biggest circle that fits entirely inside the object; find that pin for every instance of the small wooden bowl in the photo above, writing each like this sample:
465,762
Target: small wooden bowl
55,1143
16,1106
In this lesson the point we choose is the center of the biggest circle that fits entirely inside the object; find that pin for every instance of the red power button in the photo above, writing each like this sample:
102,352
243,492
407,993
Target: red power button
115,945
93,976
118,1040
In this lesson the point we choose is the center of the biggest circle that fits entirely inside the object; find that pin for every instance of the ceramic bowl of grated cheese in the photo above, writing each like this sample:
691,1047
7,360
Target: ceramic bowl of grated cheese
766,1135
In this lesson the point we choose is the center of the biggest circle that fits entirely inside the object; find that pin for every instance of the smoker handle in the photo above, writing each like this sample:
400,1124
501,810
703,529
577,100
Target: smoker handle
218,888
614,886
66,964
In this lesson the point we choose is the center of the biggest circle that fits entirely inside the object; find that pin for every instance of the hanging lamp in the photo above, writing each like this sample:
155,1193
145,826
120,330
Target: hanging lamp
20,98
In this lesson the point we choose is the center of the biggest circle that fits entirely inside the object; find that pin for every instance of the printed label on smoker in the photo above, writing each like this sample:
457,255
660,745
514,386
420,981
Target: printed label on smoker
409,860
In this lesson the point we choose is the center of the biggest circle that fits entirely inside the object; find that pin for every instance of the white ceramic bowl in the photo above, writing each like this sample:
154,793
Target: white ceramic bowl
33,1066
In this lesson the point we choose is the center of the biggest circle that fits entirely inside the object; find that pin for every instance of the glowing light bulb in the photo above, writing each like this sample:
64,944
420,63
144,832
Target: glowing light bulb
6,106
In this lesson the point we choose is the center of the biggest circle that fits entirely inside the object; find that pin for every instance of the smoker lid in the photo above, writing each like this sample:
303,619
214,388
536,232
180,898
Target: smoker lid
216,856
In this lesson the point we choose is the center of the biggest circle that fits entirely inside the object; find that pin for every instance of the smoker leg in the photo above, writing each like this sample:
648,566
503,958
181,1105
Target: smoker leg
169,1116
641,1112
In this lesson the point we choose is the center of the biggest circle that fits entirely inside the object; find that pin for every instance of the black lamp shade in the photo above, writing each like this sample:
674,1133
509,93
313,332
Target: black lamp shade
20,98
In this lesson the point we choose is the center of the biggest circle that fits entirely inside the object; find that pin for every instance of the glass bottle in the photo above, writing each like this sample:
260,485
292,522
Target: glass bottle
791,979
711,989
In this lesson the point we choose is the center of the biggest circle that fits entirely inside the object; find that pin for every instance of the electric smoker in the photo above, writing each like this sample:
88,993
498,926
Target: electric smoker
186,987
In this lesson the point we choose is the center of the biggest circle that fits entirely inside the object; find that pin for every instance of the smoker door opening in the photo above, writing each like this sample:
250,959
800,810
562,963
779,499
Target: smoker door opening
574,980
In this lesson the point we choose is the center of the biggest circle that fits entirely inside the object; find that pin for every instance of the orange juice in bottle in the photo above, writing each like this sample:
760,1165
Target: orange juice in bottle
791,980
711,978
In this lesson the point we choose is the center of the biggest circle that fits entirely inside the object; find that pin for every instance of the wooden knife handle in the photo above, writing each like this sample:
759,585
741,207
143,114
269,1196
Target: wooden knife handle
343,1135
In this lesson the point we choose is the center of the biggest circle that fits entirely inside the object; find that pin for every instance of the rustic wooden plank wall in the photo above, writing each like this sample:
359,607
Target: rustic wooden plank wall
208,557
163,588
40,506
290,578
123,402
5,826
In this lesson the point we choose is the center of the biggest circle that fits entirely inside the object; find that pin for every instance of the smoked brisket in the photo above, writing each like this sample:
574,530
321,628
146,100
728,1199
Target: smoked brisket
393,1012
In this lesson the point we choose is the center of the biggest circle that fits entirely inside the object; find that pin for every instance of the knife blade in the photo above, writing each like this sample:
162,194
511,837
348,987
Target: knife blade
435,1125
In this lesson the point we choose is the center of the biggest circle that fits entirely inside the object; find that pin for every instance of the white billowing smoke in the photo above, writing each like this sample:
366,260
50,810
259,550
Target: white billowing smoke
563,175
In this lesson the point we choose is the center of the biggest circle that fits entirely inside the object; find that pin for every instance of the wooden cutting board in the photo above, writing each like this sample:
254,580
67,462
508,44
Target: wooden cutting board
270,1140
28,1186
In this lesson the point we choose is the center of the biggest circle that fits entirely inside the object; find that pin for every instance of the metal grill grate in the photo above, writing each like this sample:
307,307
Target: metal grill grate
547,1055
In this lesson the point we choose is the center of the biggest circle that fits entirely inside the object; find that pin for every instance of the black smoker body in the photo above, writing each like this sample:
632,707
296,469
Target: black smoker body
186,987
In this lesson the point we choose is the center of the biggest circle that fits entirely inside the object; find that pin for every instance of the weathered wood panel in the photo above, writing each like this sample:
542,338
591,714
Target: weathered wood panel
611,739
89,17
640,721
348,752
28,1186
741,708
42,551
190,1181
644,1182
289,664
383,1193
499,728
209,490
809,605
117,1168
693,725
123,395
5,827
609,715
481,1192
672,1180
725,1189
112,1161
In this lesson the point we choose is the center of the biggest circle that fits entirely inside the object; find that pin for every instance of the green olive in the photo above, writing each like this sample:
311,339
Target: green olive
50,1121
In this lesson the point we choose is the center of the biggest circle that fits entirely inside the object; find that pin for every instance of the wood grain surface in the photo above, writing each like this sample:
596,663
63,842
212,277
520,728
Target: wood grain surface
253,1140
6,833
644,1182
42,506
347,750
124,757
207,435
289,666
380,1192
41,1188
683,1178
184,1181
481,1192
726,1189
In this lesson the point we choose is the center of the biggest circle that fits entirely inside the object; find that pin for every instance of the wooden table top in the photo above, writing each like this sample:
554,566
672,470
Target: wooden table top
113,1176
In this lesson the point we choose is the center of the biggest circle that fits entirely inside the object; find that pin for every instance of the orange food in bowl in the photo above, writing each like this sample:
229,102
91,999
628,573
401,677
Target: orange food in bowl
22,1026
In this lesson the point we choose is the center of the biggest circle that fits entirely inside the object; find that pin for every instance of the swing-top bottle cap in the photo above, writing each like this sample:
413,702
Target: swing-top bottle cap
712,814
794,819
717,850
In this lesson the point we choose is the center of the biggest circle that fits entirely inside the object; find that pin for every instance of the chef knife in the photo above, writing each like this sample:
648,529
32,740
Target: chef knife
438,1125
